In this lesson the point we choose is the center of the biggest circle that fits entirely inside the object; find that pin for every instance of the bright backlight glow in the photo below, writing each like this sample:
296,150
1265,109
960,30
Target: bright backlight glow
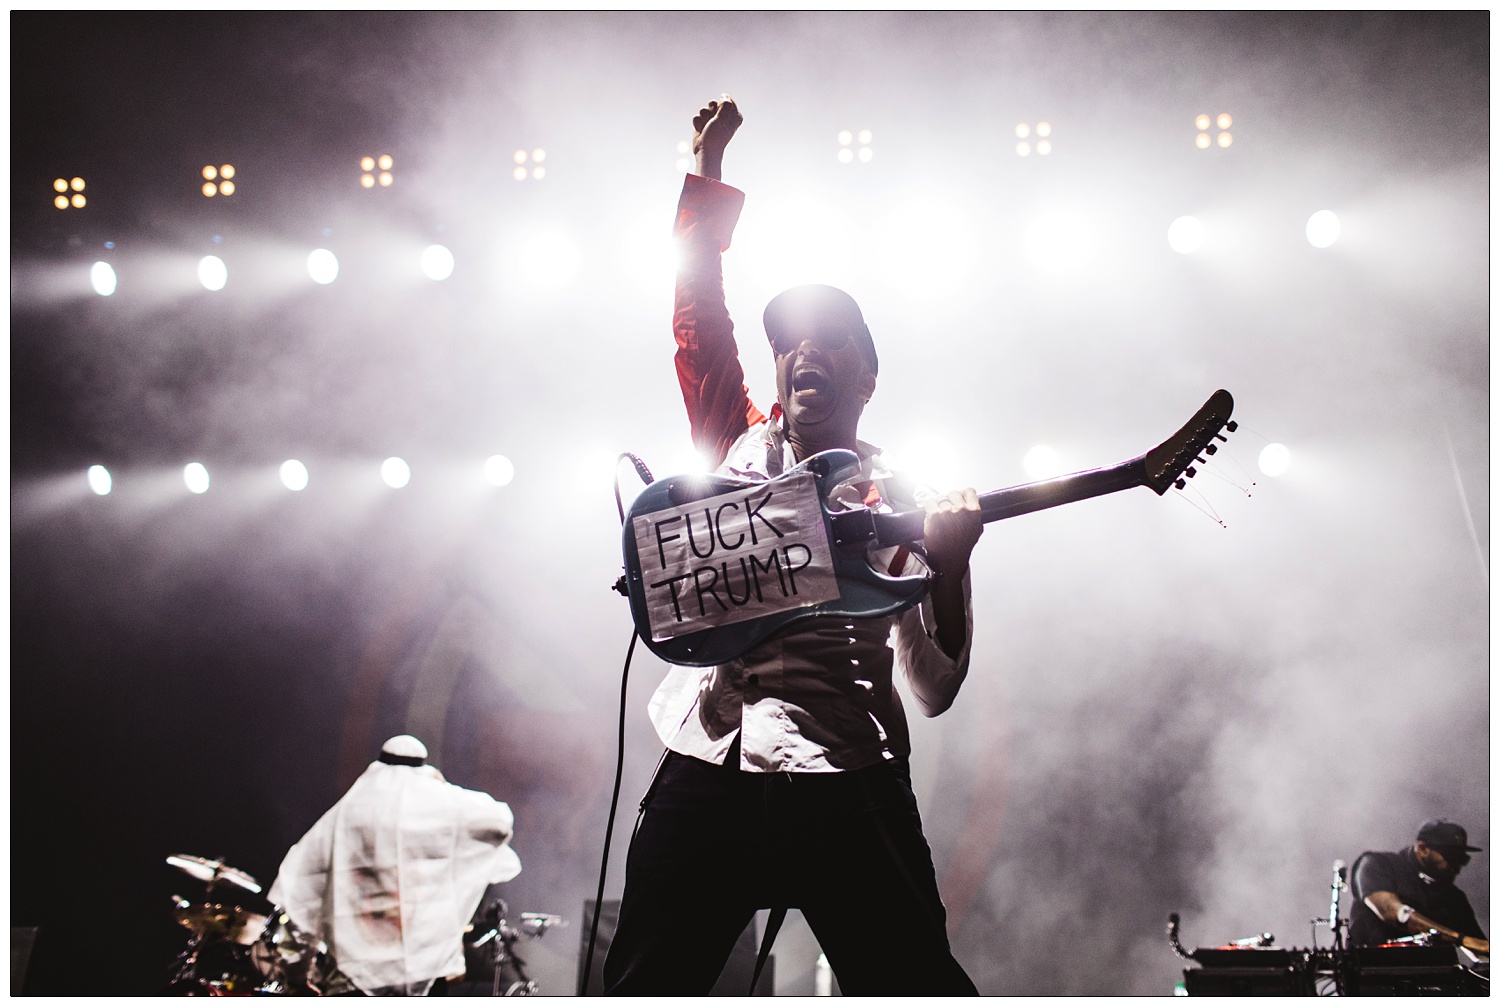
1186,235
212,272
99,480
294,475
102,276
1323,228
498,470
322,266
549,260
437,262
1061,241
1275,459
395,472
1041,462
196,477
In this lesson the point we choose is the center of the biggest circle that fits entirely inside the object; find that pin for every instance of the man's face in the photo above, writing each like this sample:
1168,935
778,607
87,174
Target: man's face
1441,862
822,376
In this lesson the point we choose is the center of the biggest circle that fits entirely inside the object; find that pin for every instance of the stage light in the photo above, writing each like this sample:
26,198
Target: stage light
1043,146
1041,462
99,480
63,186
322,266
498,470
102,276
196,477
1186,235
1323,228
684,155
1203,123
294,475
212,272
1275,459
1060,242
437,262
535,157
223,173
395,472
848,139
368,164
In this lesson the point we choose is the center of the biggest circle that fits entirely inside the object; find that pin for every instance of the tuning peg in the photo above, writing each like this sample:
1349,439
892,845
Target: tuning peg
1231,426
1181,484
1191,472
1212,449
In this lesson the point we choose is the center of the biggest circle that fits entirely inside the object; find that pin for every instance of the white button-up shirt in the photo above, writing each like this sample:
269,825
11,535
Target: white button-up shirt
819,697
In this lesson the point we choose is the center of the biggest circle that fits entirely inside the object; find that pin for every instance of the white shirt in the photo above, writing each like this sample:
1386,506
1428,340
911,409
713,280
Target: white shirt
819,697
390,875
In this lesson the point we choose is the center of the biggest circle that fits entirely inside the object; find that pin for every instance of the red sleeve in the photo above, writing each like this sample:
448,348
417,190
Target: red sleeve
708,364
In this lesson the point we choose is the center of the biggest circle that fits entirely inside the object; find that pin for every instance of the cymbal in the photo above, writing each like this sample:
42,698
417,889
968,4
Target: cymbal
213,871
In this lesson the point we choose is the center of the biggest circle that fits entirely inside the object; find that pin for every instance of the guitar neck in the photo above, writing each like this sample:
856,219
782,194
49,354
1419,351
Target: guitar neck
898,529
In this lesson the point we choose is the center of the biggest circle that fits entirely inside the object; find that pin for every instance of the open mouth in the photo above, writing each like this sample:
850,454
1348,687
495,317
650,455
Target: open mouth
810,379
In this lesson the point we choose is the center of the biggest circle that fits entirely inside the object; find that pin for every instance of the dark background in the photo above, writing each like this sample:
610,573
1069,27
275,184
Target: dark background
1162,715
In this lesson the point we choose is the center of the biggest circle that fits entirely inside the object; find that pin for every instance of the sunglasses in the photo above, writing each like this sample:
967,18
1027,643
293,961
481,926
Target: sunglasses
835,338
1454,856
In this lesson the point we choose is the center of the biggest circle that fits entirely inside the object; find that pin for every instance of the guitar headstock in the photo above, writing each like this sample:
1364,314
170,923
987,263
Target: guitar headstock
1170,463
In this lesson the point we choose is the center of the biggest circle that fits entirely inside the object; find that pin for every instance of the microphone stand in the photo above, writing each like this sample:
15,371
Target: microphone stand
1336,924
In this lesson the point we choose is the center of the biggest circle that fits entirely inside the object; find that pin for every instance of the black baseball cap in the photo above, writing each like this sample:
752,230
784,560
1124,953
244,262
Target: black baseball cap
820,304
1444,834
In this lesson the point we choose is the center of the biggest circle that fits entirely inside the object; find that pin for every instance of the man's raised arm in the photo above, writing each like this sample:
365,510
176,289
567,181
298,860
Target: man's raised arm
708,366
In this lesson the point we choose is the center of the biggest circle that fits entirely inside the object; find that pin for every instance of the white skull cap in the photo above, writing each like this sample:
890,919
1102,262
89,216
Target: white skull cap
404,746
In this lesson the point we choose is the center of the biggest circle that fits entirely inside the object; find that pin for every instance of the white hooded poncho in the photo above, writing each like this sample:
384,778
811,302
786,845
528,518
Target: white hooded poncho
390,875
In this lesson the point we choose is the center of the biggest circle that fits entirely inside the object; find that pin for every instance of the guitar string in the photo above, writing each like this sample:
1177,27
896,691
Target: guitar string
1206,509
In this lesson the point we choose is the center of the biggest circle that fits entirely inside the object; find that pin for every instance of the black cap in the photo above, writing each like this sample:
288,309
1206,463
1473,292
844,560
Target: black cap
820,304
1444,834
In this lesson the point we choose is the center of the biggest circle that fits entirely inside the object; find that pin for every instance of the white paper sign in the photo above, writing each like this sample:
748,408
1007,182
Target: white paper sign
735,557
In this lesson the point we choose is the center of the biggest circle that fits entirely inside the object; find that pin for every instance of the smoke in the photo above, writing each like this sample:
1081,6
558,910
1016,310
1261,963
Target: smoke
1164,714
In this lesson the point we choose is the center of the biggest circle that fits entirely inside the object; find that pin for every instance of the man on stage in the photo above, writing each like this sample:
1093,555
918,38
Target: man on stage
390,875
1412,891
786,781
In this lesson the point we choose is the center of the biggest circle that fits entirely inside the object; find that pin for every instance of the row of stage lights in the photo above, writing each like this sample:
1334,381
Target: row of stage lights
1041,462
497,470
854,146
1185,236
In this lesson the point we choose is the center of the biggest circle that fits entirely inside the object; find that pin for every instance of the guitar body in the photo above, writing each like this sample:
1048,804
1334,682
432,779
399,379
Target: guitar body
863,592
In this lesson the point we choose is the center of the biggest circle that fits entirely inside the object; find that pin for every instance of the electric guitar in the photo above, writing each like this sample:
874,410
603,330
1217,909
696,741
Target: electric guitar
786,557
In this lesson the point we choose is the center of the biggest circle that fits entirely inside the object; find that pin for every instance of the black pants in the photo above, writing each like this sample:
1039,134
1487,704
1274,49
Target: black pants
716,844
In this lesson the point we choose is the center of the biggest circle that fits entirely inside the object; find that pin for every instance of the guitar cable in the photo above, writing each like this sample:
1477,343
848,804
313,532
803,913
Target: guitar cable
614,801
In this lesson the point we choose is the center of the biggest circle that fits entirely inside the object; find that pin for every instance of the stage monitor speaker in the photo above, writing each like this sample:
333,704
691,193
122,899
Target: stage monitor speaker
733,981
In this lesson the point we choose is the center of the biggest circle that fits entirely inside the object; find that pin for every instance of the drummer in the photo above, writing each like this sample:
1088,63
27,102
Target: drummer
1411,891
369,880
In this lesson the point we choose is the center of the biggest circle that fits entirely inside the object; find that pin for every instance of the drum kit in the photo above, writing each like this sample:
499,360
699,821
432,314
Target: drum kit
234,951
